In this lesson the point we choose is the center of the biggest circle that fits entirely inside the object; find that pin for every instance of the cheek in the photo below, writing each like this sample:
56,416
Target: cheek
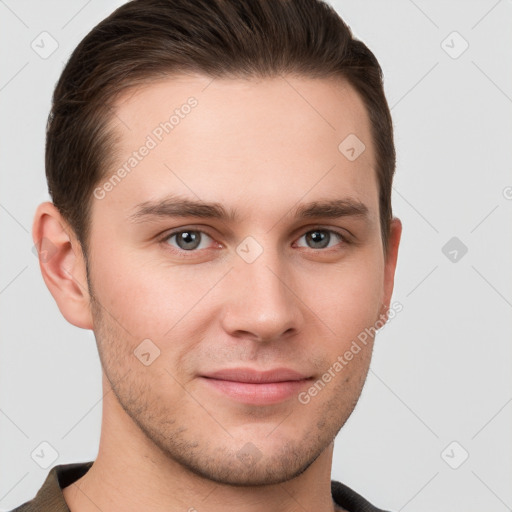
127,290
149,299
348,298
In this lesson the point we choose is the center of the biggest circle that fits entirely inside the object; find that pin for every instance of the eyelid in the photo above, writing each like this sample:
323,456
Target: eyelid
343,233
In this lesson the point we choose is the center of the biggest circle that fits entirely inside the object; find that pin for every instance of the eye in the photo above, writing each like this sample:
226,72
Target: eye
185,241
188,239
322,238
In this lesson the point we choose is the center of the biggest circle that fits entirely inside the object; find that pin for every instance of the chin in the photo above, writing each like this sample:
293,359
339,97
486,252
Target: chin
243,464
262,472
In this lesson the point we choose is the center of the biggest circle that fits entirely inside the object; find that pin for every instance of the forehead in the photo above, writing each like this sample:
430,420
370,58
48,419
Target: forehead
262,143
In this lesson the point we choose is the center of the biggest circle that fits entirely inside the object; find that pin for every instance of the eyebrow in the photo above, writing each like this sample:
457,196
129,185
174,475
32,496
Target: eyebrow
176,206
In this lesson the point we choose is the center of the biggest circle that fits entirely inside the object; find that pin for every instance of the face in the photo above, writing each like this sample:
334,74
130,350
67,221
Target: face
217,325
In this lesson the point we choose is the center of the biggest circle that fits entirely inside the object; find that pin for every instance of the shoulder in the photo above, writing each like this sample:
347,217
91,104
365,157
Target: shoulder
351,500
49,497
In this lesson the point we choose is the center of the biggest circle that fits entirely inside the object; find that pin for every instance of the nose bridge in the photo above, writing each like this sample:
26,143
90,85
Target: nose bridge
261,302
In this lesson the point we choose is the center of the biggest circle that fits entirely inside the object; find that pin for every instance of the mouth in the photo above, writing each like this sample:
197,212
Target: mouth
254,387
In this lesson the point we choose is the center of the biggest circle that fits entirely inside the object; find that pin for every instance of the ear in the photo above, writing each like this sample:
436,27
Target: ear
395,233
62,265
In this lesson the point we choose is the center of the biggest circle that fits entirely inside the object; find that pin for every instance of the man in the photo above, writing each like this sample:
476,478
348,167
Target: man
221,175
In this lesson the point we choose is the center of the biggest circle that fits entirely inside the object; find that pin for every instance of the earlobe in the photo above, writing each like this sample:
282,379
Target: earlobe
62,265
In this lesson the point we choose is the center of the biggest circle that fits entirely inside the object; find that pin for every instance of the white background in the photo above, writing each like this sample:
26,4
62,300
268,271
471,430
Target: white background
442,368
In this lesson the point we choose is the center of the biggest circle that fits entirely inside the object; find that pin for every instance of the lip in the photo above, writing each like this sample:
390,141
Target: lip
255,387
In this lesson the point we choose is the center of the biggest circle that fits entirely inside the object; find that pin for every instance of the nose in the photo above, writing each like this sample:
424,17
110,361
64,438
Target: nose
261,303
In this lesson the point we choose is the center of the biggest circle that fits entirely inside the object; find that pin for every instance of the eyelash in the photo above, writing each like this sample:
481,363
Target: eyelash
187,254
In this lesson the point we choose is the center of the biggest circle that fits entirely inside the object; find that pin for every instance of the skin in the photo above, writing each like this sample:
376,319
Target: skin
169,441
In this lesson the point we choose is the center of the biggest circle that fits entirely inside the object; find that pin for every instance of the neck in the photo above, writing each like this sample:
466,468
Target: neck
130,474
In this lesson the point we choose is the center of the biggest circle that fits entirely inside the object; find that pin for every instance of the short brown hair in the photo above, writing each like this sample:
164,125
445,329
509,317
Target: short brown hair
148,39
